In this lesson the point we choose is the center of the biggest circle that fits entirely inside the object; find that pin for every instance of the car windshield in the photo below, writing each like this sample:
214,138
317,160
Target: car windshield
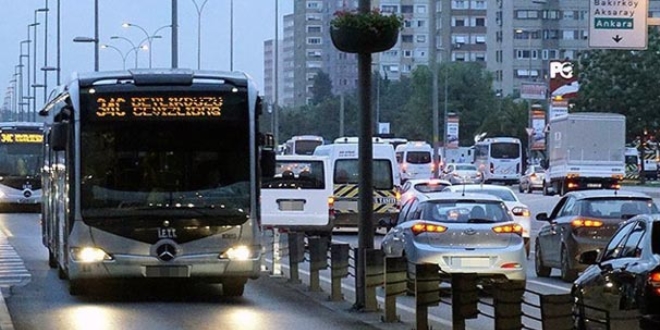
616,208
428,187
465,211
504,194
418,157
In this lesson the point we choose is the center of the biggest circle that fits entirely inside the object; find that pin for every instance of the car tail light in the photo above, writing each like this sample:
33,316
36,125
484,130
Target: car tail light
331,206
492,168
508,229
654,282
420,228
404,167
532,176
520,211
586,223
511,265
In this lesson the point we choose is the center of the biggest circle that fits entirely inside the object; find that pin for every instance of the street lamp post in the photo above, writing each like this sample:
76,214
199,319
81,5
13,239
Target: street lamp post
521,32
34,60
34,56
199,9
92,40
123,56
134,48
149,37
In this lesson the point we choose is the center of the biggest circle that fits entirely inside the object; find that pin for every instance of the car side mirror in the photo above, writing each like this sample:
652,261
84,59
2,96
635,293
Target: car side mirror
588,257
542,216
385,223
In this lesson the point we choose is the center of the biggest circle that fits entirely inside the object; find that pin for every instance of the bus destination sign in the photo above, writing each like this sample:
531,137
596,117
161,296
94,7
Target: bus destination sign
168,106
12,138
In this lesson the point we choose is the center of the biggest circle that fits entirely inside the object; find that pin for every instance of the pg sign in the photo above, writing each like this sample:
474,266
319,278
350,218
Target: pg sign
618,24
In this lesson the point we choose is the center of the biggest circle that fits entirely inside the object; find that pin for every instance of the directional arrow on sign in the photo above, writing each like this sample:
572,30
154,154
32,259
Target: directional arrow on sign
617,38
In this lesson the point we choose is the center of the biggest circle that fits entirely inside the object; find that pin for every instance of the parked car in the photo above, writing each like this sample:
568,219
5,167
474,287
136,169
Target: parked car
461,173
532,179
414,187
521,213
471,233
622,281
581,221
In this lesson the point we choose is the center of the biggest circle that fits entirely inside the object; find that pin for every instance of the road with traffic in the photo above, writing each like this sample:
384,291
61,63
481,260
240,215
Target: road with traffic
36,298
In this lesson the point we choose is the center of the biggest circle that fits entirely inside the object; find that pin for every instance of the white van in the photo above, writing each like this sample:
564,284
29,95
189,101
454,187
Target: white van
345,166
415,160
299,197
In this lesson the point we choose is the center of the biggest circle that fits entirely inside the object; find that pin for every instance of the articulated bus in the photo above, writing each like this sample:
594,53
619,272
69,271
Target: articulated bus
302,144
499,159
155,175
20,165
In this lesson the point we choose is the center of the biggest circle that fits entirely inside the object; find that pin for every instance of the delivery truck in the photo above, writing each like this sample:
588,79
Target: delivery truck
585,151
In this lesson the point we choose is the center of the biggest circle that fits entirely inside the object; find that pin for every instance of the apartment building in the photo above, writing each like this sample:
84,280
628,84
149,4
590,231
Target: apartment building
514,39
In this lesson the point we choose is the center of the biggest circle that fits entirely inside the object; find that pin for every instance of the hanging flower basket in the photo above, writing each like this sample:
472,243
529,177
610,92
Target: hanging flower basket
371,32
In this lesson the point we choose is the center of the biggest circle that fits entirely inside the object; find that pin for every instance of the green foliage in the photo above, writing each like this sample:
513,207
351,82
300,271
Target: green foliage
622,81
372,20
322,88
406,105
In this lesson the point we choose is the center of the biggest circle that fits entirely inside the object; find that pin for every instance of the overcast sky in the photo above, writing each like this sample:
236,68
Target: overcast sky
254,22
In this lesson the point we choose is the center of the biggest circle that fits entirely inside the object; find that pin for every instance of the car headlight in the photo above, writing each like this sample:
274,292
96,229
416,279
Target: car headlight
89,254
240,252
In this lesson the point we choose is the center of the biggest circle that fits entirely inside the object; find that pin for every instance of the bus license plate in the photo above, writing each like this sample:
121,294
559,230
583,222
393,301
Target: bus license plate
167,271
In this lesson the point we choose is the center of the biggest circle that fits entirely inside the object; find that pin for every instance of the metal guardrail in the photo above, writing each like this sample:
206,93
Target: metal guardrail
509,305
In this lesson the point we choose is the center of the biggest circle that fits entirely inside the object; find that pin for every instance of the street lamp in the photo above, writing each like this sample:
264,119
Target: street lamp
45,69
199,9
522,32
123,56
149,37
34,60
95,41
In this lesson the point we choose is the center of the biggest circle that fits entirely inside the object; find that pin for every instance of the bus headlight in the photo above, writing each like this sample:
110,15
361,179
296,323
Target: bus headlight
89,254
240,252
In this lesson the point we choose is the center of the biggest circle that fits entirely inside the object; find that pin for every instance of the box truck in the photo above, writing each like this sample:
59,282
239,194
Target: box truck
585,151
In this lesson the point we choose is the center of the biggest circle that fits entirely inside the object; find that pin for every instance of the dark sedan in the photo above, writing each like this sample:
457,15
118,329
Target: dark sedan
580,221
621,287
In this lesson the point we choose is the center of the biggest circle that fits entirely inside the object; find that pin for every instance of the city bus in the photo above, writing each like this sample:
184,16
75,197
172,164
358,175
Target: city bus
20,165
499,159
302,144
155,175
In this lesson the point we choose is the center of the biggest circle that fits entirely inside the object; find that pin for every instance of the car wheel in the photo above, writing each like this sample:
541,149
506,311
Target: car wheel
567,274
545,190
529,189
539,267
520,187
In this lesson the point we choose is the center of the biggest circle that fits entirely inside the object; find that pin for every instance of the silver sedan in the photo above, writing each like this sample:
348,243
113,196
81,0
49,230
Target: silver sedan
462,233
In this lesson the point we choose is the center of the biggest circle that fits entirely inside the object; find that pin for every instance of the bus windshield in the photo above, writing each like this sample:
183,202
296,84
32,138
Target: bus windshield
20,159
502,150
141,166
306,147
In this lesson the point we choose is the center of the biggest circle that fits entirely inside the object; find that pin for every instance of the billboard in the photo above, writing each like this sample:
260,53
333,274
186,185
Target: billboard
538,125
452,132
563,86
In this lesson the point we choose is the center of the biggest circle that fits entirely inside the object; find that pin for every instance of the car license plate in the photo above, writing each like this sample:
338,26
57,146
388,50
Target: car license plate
471,262
593,185
167,271
291,204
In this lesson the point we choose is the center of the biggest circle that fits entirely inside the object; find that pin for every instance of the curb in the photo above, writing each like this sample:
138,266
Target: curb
5,318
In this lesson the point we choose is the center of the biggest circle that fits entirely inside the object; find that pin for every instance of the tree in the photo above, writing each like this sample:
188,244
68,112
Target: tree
321,88
622,81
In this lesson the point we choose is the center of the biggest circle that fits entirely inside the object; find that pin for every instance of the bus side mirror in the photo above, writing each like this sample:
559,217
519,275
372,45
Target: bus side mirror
267,159
59,135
